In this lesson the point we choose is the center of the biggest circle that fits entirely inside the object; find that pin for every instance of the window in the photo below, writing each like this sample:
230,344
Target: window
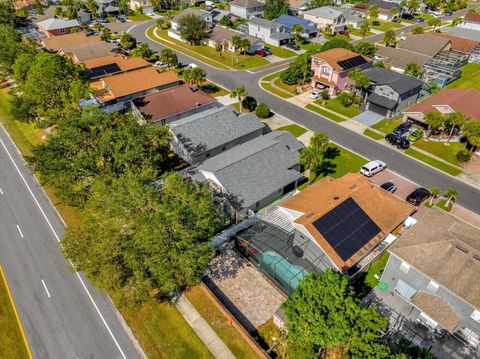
404,267
475,315
432,286
325,71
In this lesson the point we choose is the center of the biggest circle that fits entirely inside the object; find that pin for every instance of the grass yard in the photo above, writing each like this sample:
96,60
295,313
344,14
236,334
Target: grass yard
387,125
272,76
470,77
334,105
387,25
376,269
289,88
372,134
441,204
346,162
268,87
311,46
296,130
213,89
163,333
324,113
440,149
219,323
168,12
13,344
207,54
356,32
281,51
433,162
139,17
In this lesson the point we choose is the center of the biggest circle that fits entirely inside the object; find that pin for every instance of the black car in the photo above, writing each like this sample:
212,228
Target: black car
419,19
403,128
293,46
397,20
448,13
392,139
389,187
418,196
403,143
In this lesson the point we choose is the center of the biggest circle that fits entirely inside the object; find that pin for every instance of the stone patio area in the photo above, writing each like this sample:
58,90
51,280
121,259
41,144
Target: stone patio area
249,296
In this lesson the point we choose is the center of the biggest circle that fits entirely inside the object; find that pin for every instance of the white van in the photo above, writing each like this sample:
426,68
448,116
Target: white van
372,168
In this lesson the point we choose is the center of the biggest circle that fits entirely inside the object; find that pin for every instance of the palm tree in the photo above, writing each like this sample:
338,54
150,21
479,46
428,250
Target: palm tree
297,30
311,157
471,130
362,81
244,45
434,120
194,76
435,193
364,28
454,119
328,29
451,195
240,93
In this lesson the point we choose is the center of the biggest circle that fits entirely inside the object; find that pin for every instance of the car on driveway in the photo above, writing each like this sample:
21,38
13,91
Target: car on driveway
418,196
372,168
315,95
402,128
389,187
397,20
418,19
262,53
293,46
415,135
448,13
403,143
392,138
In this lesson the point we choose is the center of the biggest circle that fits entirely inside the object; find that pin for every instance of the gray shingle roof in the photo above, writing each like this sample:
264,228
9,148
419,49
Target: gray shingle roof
262,22
213,128
254,170
381,101
423,44
399,82
462,32
326,12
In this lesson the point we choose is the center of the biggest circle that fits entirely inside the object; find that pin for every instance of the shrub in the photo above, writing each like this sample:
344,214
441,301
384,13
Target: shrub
218,47
345,98
464,155
249,103
262,110
325,95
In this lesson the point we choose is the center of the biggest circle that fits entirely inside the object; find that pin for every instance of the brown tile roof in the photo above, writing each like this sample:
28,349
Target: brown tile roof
124,63
21,4
472,17
90,51
334,56
457,43
172,101
385,209
127,83
462,100
400,58
437,309
57,43
424,44
445,249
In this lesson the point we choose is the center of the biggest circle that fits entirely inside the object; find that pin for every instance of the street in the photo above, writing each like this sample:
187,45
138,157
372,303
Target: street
62,316
469,196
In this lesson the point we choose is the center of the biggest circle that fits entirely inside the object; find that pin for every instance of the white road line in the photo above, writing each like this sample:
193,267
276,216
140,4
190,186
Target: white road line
58,240
1,192
20,231
46,289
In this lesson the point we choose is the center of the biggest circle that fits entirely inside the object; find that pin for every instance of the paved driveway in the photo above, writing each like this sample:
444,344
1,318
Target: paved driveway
368,118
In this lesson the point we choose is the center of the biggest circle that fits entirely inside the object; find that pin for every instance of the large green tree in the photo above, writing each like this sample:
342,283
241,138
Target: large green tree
326,320
299,71
136,241
336,42
92,143
275,8
192,29
312,156
362,81
365,48
12,46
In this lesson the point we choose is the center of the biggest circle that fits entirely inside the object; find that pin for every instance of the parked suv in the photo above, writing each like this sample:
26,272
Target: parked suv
372,168
403,128
418,196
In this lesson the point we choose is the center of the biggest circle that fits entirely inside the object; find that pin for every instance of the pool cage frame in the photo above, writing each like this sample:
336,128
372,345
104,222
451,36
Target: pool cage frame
444,65
281,255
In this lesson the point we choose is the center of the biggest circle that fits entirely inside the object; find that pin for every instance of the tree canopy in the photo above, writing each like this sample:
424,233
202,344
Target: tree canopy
192,29
275,8
299,71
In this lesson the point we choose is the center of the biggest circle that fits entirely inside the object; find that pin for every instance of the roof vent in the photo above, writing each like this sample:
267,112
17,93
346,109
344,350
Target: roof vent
352,186
198,104
463,249
336,198
309,215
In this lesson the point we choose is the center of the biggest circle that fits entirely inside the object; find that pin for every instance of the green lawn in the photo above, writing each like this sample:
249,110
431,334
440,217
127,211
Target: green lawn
470,77
268,87
356,32
168,12
324,113
281,51
163,333
346,162
334,105
372,134
289,88
207,54
217,320
387,125
387,25
440,149
441,204
376,269
311,46
272,76
13,344
433,162
296,130
213,89
139,17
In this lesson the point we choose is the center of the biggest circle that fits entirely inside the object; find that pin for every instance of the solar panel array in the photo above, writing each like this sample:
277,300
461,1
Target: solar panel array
103,70
347,228
352,62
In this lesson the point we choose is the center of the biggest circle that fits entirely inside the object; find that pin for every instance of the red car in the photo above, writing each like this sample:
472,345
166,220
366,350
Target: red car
262,52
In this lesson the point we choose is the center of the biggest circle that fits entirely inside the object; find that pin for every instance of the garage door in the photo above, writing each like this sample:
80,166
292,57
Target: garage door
377,109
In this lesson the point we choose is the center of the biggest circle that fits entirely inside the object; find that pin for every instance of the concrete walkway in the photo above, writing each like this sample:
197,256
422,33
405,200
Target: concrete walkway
216,346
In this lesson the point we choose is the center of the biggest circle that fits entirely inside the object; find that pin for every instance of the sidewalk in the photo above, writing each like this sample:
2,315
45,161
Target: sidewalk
206,334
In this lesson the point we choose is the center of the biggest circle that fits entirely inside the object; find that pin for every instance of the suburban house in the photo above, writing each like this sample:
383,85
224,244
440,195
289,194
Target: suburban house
458,44
172,104
343,224
28,4
397,59
270,32
434,268
391,92
204,15
471,21
384,8
83,16
424,44
80,54
107,7
57,43
446,101
254,173
223,36
326,15
56,27
309,29
331,68
297,6
462,32
353,17
145,5
246,8
114,93
113,64
209,133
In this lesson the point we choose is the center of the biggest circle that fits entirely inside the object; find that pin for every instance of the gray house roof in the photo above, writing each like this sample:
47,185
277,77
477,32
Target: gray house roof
257,21
326,12
398,82
254,170
462,32
381,101
55,24
213,128
190,11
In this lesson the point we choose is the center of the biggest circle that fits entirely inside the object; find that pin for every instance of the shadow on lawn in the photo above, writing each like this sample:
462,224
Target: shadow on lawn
328,166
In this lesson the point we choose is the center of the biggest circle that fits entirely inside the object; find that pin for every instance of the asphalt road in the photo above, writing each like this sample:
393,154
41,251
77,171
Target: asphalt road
63,317
469,196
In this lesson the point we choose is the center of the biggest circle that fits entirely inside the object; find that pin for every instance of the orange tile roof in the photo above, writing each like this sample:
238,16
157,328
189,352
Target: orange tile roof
457,43
334,56
124,63
75,39
127,83
385,209
472,17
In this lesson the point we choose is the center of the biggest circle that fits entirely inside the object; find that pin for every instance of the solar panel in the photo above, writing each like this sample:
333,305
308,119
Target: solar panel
352,62
103,70
347,228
